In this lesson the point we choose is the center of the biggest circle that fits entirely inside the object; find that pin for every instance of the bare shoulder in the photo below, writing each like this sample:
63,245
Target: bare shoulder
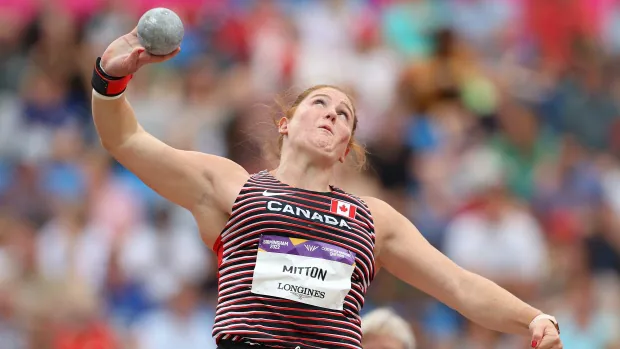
379,209
385,217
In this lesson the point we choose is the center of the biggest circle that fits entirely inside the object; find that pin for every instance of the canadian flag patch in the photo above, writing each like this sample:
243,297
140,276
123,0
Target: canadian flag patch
343,208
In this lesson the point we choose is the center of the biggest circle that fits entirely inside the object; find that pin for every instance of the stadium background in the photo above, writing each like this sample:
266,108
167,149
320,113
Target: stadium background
492,124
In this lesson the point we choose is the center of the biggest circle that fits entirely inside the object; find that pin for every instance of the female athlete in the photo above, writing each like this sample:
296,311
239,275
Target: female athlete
296,255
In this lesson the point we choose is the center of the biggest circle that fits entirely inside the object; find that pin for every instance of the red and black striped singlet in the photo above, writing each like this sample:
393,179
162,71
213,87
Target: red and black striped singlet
267,210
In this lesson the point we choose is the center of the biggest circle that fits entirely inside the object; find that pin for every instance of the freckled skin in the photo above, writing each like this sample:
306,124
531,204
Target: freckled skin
160,31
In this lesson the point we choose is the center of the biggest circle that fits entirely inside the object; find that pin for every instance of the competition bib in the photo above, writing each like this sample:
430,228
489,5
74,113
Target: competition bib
309,272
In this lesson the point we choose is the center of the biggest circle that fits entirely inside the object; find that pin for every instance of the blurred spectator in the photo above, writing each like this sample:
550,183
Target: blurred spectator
273,48
11,333
485,36
70,246
569,192
112,204
110,22
126,299
438,76
384,329
325,42
500,240
24,197
183,323
407,26
585,324
163,256
80,325
603,241
524,146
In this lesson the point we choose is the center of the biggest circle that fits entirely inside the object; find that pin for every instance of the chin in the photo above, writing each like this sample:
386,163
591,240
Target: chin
323,152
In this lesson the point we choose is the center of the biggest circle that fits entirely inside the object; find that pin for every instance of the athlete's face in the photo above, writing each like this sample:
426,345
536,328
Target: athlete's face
323,122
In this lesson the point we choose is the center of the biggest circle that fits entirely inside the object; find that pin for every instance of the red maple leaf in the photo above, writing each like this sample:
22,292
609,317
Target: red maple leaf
343,208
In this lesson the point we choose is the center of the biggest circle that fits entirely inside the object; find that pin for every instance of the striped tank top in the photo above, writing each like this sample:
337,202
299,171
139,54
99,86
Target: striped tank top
294,266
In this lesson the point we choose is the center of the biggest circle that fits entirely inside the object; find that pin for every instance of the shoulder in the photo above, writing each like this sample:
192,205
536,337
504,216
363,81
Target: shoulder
377,207
384,215
379,210
373,203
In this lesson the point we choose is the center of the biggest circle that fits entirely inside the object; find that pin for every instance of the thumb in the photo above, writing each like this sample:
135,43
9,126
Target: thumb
134,56
537,335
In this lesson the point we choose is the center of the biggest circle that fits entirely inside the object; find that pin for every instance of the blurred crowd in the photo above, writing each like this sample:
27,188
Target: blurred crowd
492,124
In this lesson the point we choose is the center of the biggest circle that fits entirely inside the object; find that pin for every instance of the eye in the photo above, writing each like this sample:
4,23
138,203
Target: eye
344,113
320,101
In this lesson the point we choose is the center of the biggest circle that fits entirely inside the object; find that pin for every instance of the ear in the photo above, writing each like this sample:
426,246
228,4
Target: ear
283,126
346,152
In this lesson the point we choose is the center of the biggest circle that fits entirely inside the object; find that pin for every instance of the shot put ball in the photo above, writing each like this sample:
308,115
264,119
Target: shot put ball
160,31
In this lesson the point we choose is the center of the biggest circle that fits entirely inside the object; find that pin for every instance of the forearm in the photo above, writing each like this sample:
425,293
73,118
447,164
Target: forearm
491,306
114,120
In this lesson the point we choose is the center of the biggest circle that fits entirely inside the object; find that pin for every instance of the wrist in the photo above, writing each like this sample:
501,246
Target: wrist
106,98
100,63
107,85
544,317
529,314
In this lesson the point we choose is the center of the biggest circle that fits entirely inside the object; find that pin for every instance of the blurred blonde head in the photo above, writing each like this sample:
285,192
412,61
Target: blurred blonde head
384,329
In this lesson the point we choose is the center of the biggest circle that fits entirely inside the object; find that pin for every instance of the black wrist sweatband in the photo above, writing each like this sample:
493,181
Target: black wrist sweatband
108,85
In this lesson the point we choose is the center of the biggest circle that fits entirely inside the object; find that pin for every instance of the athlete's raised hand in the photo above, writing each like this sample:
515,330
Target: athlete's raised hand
545,335
125,55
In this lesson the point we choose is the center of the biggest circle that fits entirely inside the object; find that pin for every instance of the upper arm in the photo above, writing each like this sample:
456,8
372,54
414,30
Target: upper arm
405,253
186,178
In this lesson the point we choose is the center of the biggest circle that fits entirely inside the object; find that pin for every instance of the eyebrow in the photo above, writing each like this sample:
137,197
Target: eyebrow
345,104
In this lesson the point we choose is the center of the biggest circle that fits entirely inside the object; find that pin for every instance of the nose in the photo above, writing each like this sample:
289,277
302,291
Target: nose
331,114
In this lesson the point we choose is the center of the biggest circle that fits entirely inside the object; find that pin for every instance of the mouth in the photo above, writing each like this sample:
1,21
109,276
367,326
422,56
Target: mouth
327,127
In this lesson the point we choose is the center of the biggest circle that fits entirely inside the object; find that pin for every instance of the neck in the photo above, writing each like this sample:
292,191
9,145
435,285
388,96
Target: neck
299,172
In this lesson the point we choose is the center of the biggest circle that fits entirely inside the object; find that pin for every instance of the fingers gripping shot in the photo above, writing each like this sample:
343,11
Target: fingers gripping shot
296,255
